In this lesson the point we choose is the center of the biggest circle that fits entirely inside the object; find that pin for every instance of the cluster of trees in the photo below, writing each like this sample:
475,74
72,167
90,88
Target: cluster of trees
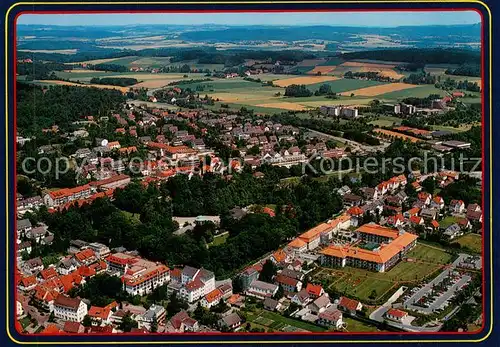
325,89
413,67
473,70
61,105
115,81
101,290
421,102
371,75
361,137
470,114
420,78
40,70
109,67
191,81
297,90
451,84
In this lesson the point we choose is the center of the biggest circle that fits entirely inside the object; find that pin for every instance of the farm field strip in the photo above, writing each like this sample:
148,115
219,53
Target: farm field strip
396,134
381,89
303,80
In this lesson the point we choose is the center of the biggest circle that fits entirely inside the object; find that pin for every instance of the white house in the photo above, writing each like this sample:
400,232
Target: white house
69,309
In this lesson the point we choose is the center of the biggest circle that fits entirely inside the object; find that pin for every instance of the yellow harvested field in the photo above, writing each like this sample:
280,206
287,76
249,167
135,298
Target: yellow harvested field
391,74
304,80
284,105
322,69
102,86
368,65
381,89
398,135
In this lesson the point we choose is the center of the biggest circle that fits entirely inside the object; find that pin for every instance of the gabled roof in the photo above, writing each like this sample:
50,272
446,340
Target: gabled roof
397,313
314,289
348,304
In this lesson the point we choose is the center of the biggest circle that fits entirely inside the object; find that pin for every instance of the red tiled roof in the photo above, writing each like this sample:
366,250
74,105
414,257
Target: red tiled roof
397,313
314,289
48,273
349,304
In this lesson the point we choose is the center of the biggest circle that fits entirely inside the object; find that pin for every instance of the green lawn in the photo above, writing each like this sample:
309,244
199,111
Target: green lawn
447,221
133,217
25,322
474,242
358,326
430,254
219,240
452,129
282,321
386,121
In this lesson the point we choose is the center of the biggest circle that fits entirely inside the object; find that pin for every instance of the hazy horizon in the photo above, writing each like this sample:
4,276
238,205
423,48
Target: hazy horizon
341,19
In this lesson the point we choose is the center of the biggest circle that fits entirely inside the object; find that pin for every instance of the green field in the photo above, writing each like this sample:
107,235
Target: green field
386,121
418,92
474,242
345,84
219,240
353,325
281,322
430,254
271,321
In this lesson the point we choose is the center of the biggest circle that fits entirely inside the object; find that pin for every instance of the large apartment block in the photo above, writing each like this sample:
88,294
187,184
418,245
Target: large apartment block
139,276
65,195
369,254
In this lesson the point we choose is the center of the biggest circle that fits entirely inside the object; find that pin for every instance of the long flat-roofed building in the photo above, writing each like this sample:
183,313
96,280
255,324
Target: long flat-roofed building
380,259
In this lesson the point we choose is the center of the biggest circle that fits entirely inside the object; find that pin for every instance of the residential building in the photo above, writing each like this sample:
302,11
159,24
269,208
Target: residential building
289,284
100,249
192,284
231,321
155,313
248,276
350,306
261,289
396,315
320,304
330,317
181,322
70,309
140,276
65,195
99,315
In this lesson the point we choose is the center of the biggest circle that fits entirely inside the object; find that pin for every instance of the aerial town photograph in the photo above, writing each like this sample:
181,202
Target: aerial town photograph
239,173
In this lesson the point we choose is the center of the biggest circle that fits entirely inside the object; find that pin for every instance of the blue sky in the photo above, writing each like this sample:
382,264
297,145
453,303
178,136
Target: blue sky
378,19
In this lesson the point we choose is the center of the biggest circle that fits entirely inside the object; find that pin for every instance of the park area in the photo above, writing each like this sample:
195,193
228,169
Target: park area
370,286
